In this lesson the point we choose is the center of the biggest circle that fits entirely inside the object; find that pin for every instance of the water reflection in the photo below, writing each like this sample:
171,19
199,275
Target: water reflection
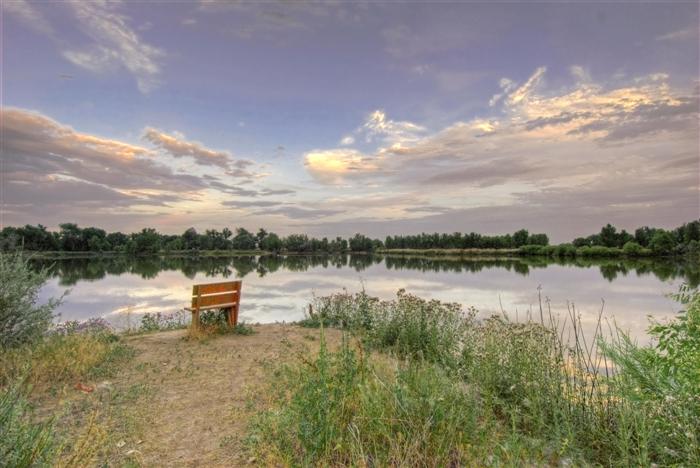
71,271
277,288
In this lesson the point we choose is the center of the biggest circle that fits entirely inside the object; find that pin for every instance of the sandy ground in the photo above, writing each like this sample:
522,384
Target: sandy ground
190,407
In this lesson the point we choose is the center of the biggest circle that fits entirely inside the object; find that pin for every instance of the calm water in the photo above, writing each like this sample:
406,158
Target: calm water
278,288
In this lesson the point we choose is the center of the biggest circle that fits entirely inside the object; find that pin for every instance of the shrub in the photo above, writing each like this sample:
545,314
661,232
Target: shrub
416,328
632,248
565,250
531,250
22,320
409,326
159,321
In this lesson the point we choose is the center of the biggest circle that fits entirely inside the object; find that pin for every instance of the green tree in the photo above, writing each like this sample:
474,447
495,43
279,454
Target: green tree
243,240
661,242
271,243
520,237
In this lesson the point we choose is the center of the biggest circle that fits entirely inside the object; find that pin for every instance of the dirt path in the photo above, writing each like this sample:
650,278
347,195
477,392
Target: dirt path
193,412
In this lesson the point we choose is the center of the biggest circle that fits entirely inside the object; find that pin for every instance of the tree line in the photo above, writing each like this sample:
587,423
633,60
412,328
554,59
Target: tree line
72,238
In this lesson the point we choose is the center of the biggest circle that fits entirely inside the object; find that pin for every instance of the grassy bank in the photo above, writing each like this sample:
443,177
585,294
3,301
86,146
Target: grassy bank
422,383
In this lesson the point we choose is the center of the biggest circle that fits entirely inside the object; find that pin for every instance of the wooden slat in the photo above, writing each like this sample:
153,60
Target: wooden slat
213,288
232,305
204,301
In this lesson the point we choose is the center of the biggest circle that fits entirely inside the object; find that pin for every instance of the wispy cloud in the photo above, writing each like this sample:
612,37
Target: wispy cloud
178,146
115,45
29,15
690,32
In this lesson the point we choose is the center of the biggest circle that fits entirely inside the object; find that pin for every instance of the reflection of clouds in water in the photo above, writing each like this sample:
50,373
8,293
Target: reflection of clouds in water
282,293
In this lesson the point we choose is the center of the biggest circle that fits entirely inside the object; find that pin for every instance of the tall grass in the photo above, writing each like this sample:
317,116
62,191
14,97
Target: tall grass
554,393
22,443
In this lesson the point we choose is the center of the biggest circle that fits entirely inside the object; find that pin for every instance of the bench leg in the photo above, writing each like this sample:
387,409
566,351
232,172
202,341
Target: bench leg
229,317
195,319
234,312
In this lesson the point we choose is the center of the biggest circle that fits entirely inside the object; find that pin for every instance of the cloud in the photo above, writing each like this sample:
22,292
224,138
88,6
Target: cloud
295,212
177,146
331,166
680,34
347,140
523,92
394,132
47,165
250,203
29,15
585,148
115,45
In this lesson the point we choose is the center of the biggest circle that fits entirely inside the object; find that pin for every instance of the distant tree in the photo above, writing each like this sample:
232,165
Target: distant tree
71,239
297,243
145,242
190,239
643,236
520,237
271,243
361,243
661,243
243,240
608,236
538,239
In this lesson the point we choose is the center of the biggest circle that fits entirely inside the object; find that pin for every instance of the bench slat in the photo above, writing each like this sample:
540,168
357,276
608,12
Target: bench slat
205,301
217,306
215,294
213,288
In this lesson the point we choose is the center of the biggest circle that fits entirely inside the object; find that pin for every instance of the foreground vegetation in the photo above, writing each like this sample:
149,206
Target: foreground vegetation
446,389
608,242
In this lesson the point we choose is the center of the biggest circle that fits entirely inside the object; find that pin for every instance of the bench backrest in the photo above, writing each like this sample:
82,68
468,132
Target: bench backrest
213,294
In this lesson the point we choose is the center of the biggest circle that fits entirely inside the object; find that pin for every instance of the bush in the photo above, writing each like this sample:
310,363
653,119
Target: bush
159,322
409,326
631,248
22,320
22,443
565,250
531,250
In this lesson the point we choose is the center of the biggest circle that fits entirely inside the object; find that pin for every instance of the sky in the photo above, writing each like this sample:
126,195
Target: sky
331,118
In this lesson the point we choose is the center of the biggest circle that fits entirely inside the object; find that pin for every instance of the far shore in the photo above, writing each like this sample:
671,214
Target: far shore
544,252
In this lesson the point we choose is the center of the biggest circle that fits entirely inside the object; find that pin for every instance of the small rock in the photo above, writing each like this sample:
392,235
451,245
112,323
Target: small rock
252,460
121,444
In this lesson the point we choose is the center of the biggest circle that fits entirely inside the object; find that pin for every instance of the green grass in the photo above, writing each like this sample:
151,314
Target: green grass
429,385
22,442
40,370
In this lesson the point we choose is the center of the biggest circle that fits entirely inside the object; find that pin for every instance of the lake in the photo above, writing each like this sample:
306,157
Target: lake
278,288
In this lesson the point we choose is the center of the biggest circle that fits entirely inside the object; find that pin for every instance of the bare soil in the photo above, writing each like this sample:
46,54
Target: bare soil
188,400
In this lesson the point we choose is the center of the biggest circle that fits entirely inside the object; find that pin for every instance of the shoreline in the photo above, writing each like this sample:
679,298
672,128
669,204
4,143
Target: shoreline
514,253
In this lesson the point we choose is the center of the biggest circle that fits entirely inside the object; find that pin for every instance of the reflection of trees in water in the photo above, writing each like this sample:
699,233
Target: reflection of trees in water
70,271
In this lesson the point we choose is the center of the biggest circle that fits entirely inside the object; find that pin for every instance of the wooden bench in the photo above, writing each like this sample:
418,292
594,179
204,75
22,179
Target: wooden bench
225,296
